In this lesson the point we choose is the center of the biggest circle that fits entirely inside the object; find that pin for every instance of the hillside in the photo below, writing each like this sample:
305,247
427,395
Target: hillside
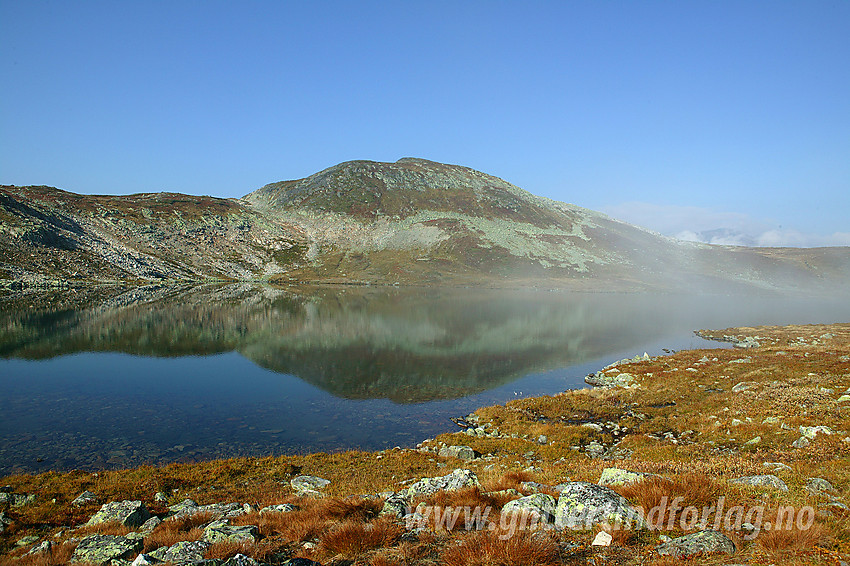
409,222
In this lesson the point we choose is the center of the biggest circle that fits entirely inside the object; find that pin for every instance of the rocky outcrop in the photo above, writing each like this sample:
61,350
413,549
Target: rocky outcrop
767,480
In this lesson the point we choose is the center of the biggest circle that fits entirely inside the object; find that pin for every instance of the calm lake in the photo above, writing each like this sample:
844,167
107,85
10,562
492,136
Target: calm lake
114,377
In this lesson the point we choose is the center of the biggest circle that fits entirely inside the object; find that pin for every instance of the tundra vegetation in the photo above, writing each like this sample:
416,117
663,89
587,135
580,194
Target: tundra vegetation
761,427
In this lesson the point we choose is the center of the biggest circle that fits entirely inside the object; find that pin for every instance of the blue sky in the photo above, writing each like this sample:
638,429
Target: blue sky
680,116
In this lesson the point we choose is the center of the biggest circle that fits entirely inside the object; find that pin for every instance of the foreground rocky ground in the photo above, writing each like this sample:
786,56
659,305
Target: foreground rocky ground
726,456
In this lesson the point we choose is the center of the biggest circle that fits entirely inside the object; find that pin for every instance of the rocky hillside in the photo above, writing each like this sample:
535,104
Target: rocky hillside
409,222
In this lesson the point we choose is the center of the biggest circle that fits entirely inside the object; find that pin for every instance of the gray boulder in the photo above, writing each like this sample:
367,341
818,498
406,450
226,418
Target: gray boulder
16,499
582,505
44,548
454,481
538,505
219,531
5,521
149,525
128,513
308,485
745,386
461,452
767,480
186,552
603,379
708,542
102,549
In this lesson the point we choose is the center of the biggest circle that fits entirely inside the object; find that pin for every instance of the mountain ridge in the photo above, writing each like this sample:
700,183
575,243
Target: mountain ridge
412,221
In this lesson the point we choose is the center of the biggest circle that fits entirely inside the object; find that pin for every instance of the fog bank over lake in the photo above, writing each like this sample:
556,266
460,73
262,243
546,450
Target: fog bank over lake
106,377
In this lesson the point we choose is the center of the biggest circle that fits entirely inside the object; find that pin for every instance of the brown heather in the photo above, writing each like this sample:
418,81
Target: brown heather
492,548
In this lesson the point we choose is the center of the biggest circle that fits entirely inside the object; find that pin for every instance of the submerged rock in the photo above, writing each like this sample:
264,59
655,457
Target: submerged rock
709,542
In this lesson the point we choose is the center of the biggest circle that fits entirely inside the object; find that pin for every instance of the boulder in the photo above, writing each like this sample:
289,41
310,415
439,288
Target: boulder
811,432
240,560
144,560
745,386
583,505
215,510
219,531
308,485
460,452
708,542
454,481
102,549
604,379
538,505
767,480
777,466
149,525
185,552
128,513
44,548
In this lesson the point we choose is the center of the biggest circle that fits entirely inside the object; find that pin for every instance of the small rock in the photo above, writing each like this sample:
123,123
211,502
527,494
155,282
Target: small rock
745,386
753,441
282,508
819,486
144,560
395,505
602,539
777,466
149,525
460,452
708,542
184,552
160,497
84,498
767,480
308,485
458,479
801,442
542,439
27,540
239,560
811,432
617,476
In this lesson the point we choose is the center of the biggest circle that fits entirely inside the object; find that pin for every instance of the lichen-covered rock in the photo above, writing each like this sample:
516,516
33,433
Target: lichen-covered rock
767,480
396,506
282,508
5,521
458,479
811,432
16,499
708,542
127,513
582,505
819,486
240,560
460,452
308,485
185,552
219,531
101,549
777,466
538,505
149,525
84,498
745,386
605,379
44,548
618,476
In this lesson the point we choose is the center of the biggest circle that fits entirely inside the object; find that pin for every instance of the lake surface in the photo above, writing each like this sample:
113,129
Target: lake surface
113,377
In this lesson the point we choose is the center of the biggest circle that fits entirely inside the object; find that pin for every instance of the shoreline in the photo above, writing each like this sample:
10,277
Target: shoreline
665,417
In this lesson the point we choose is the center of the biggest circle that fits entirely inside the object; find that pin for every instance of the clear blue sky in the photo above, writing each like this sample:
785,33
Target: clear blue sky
722,108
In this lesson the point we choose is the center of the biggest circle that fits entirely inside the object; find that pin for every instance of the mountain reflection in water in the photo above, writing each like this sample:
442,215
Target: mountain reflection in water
349,367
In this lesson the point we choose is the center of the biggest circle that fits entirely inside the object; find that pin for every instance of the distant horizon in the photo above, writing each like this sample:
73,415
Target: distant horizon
685,118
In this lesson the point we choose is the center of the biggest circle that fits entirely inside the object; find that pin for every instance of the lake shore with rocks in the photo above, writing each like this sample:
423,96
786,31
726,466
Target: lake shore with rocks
699,457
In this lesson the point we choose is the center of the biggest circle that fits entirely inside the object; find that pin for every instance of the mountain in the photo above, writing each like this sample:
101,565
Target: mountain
409,222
